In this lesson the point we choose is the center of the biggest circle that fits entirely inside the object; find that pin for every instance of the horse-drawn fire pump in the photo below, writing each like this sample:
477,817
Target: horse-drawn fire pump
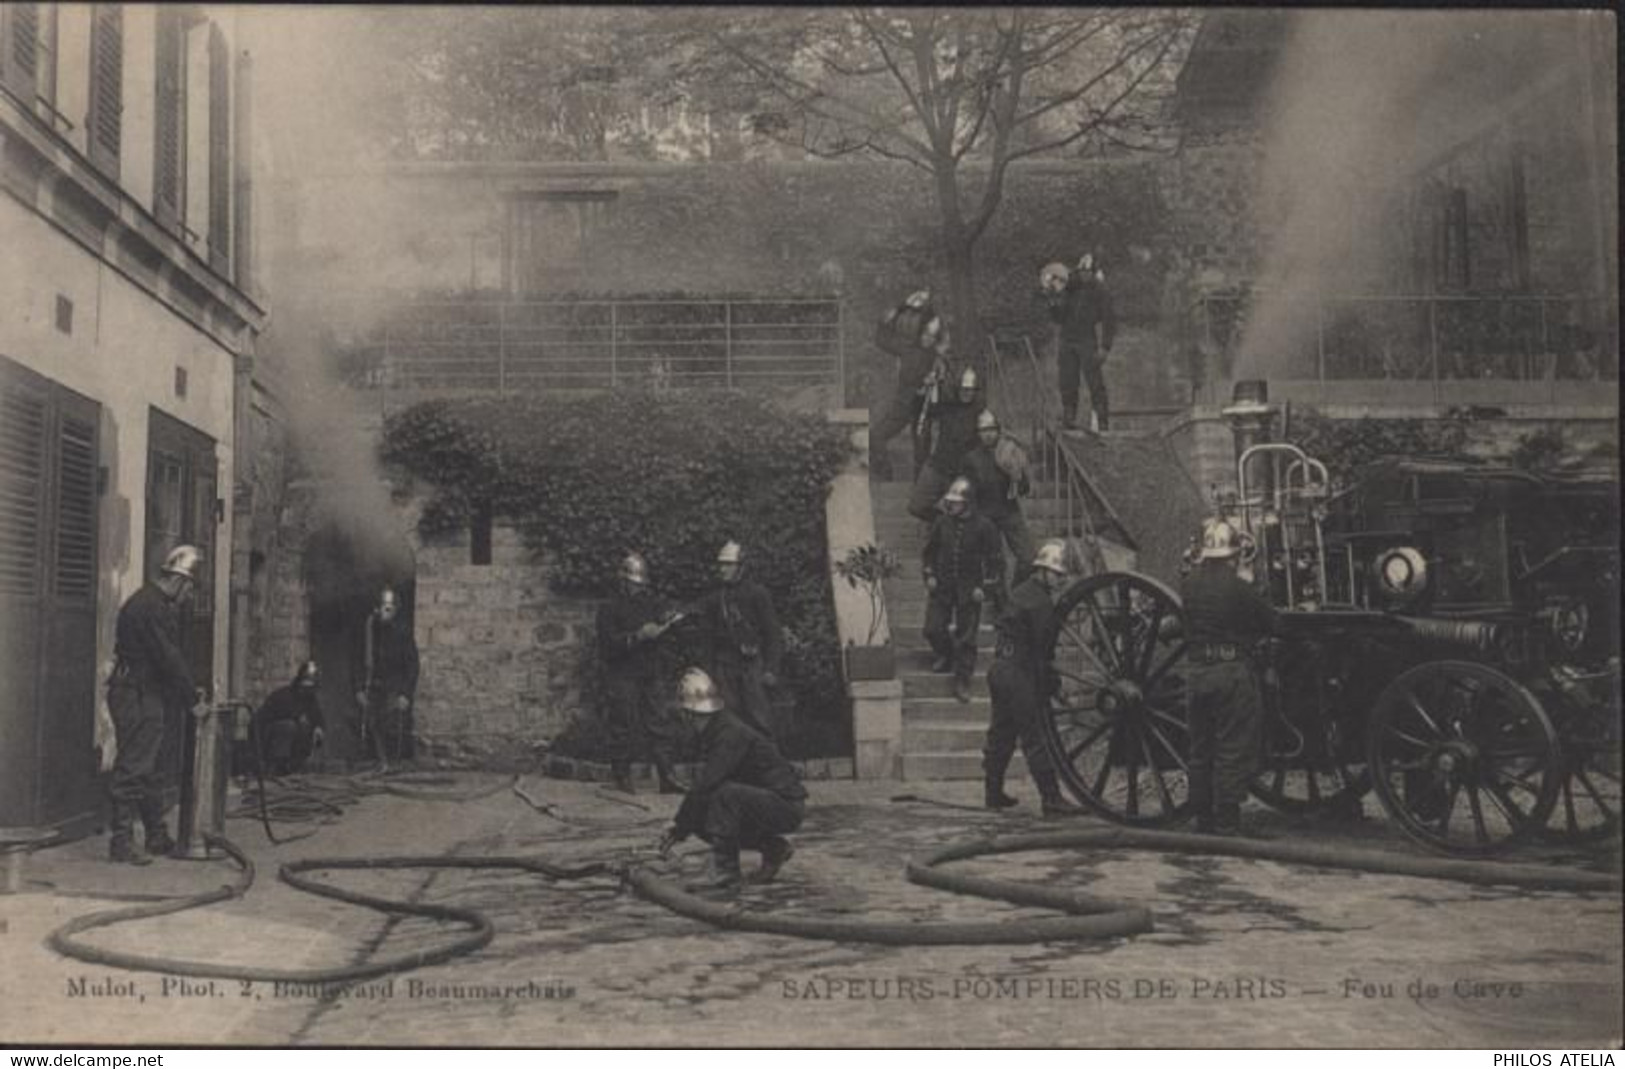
1448,637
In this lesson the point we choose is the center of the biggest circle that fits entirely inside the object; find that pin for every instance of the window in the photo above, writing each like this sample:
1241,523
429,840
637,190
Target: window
545,231
45,84
169,121
105,120
19,51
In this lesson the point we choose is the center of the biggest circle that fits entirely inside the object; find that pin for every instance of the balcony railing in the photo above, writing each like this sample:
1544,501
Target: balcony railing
1436,339
513,346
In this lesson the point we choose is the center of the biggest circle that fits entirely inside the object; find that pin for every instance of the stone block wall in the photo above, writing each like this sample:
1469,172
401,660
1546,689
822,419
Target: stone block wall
501,653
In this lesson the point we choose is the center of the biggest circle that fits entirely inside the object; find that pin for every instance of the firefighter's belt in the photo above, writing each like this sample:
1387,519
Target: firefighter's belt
1215,652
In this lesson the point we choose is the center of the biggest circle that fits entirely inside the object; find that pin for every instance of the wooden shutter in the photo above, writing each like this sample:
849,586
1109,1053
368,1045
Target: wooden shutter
169,120
219,152
75,566
19,56
22,487
104,124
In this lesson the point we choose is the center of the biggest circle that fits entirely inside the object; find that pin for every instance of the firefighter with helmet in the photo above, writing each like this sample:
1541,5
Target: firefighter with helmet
954,435
151,682
388,675
745,641
997,469
289,726
917,336
1023,679
1226,619
963,566
630,627
746,795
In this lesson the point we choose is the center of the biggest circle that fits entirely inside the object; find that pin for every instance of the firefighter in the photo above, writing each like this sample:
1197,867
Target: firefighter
1225,621
954,435
963,565
1086,326
151,680
290,726
915,334
389,682
629,628
997,469
747,796
1021,682
745,641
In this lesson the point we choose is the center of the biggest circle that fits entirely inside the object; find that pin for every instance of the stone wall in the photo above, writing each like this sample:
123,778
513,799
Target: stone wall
501,653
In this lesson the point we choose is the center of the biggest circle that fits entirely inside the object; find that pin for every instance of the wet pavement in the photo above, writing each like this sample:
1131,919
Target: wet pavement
1244,953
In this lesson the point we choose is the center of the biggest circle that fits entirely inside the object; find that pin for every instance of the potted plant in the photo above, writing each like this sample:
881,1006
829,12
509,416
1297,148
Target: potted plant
866,567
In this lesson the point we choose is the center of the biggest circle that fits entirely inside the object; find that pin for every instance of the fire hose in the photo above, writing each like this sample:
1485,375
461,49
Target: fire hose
1084,916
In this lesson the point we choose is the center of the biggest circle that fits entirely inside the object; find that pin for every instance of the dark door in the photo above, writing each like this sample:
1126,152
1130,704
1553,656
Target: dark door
48,581
181,510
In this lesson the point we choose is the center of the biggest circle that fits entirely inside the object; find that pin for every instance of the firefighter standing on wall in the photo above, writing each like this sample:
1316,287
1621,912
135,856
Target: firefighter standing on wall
629,627
1021,682
746,796
1225,619
290,726
963,565
150,679
954,433
997,469
389,682
1086,325
745,642
915,334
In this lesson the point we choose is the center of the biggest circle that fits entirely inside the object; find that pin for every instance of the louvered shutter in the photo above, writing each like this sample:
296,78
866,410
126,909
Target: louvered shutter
19,57
219,152
169,119
75,567
104,124
22,487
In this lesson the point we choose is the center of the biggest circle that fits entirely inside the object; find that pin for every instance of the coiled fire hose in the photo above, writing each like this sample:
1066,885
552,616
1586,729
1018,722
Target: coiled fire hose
1084,916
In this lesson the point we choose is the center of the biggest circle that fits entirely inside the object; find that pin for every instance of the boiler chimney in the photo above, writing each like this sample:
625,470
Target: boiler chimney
1252,422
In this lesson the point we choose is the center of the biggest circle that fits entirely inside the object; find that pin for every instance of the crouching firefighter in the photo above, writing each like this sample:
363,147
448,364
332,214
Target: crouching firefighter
151,680
1022,681
746,796
1225,619
290,726
629,628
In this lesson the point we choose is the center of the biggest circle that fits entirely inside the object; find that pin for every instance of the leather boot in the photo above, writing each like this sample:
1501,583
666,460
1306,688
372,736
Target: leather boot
1049,789
723,872
620,779
159,841
669,783
993,796
776,851
122,846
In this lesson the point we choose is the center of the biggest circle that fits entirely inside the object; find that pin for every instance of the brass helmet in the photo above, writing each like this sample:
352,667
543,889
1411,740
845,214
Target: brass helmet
634,569
183,560
309,675
919,299
1054,277
1219,541
958,491
697,693
1052,557
986,421
730,553
967,380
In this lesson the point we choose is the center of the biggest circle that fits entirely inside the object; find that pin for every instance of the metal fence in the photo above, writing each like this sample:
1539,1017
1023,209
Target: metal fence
1433,338
512,346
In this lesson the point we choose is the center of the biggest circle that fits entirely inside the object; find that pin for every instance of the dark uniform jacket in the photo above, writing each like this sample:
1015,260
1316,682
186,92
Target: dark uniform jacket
734,753
1077,309
147,645
993,497
1027,630
964,552
742,623
956,434
290,702
1219,607
901,330
620,648
394,658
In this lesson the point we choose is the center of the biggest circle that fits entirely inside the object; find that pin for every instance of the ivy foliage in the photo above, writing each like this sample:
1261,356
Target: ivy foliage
670,475
1346,445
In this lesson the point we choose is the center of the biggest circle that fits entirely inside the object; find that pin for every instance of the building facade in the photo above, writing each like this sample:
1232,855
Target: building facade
127,331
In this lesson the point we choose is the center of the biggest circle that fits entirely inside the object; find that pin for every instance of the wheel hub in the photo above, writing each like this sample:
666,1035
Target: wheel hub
1456,759
1122,696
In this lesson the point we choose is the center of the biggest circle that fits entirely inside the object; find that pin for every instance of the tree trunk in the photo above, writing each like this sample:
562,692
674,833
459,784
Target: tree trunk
957,248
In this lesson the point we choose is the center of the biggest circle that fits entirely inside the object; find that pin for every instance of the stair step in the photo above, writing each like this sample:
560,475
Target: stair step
938,685
948,766
947,709
946,737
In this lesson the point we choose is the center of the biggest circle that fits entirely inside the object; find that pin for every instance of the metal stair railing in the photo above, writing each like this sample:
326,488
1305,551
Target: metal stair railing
1017,395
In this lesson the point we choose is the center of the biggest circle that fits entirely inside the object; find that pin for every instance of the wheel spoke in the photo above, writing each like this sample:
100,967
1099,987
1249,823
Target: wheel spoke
1106,763
1314,784
1449,807
1479,829
1166,745
1155,675
1509,809
1131,803
1168,718
1085,647
1085,680
1422,744
1596,796
1570,817
1416,704
1088,740
1278,781
1152,621
1105,633
1156,774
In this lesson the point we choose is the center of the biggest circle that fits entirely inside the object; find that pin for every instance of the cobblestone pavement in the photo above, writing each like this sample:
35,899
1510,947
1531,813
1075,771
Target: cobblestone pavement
1244,953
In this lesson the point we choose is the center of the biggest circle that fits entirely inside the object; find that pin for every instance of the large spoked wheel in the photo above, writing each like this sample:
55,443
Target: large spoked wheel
1309,763
1464,757
1588,798
1117,725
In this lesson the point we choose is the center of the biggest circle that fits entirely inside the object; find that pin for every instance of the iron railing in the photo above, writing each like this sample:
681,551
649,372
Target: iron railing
513,346
1437,338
